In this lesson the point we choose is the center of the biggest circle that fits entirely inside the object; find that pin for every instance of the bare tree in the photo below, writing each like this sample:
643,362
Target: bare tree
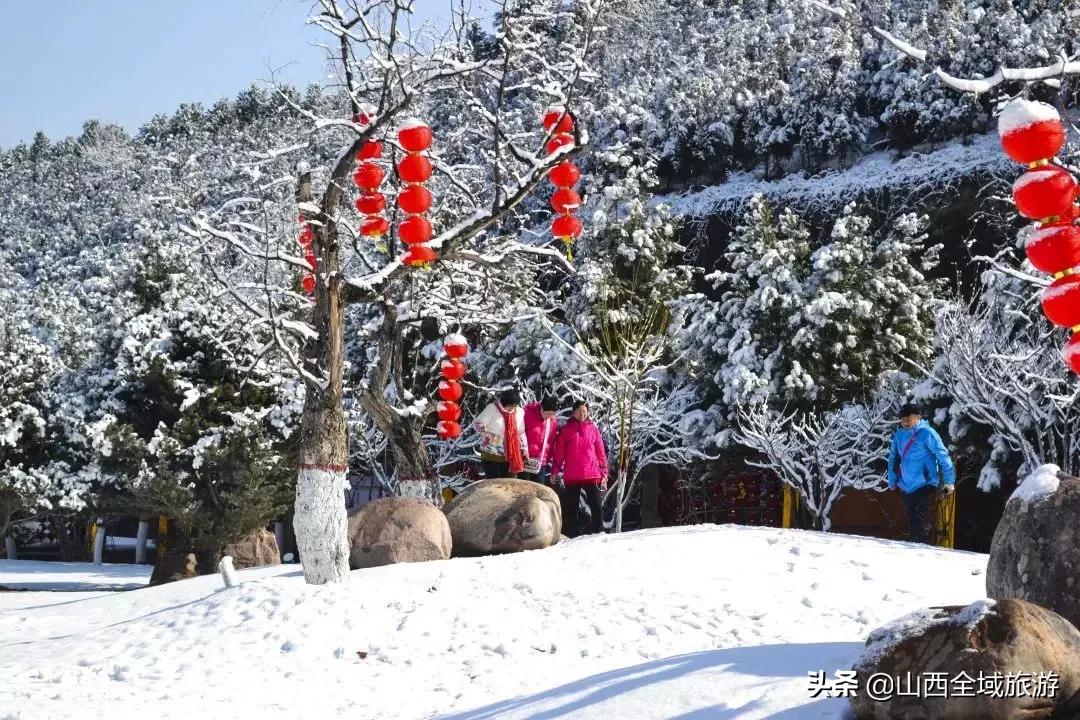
489,157
821,454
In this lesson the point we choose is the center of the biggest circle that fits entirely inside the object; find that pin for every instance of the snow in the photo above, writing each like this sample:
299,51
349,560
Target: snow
699,621
1038,485
885,638
1064,285
1032,176
916,173
38,575
412,122
1021,113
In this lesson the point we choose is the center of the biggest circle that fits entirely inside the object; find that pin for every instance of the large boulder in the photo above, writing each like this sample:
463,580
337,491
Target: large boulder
258,549
504,515
965,646
1035,554
175,565
396,530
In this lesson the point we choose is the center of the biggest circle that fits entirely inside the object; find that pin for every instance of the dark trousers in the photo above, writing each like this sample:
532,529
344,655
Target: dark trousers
568,498
918,505
493,469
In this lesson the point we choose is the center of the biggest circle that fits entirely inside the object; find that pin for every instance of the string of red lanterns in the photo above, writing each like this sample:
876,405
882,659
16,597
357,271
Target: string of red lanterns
565,201
368,177
1032,134
306,240
414,199
453,369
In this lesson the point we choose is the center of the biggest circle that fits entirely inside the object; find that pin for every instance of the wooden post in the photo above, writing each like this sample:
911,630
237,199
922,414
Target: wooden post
99,541
9,547
945,520
791,502
279,538
140,542
162,533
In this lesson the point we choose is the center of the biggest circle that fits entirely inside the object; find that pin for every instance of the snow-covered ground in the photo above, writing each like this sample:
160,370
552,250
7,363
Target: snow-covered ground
687,623
38,575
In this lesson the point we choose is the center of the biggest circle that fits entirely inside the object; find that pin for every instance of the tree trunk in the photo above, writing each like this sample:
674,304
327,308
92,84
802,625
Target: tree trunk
99,541
319,521
9,548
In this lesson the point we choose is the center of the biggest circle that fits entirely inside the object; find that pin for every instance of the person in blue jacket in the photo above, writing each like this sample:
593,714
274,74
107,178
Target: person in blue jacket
918,464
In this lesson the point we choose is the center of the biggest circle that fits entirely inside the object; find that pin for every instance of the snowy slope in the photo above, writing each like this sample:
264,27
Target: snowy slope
38,575
701,622
915,174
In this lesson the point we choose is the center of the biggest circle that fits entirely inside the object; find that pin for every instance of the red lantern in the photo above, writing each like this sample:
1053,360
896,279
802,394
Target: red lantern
1071,353
565,201
1030,131
414,229
414,199
557,114
414,169
559,141
371,203
308,283
419,256
453,369
566,226
448,429
415,136
363,117
306,236
1054,249
1044,192
374,226
370,150
450,390
455,346
449,410
309,258
1061,301
368,176
565,174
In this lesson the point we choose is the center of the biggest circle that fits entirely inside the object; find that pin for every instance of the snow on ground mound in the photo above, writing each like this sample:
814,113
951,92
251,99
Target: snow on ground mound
38,575
681,622
916,173
1039,484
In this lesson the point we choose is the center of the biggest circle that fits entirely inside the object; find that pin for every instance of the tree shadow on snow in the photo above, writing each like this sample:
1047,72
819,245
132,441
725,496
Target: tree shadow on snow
766,661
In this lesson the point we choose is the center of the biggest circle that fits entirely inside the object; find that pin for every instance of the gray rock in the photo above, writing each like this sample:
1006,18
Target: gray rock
397,530
1009,637
1035,554
258,549
504,515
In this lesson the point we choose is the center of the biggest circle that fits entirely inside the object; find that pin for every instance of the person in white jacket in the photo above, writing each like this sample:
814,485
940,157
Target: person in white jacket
504,448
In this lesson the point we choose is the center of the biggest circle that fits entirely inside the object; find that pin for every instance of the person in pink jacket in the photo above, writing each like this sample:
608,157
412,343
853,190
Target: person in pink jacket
580,463
540,430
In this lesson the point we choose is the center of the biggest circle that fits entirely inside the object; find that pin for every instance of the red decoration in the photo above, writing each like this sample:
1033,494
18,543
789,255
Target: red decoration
449,410
566,226
559,141
309,258
419,256
1030,131
453,369
370,150
368,176
565,174
450,390
565,201
414,229
414,169
455,346
414,199
371,203
1061,301
1071,353
558,114
374,226
306,236
1054,249
415,136
308,283
448,429
1044,192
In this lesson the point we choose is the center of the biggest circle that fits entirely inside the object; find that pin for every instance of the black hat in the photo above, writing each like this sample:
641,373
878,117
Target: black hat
509,397
909,409
548,404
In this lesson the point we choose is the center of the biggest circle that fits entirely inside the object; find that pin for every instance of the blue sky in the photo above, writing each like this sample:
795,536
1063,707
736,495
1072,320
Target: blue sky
65,61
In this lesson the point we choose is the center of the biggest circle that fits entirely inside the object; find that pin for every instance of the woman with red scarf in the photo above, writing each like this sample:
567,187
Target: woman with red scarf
504,448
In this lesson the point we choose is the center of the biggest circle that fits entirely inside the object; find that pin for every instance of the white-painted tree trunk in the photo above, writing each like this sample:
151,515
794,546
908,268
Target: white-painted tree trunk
9,548
140,542
99,542
321,526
